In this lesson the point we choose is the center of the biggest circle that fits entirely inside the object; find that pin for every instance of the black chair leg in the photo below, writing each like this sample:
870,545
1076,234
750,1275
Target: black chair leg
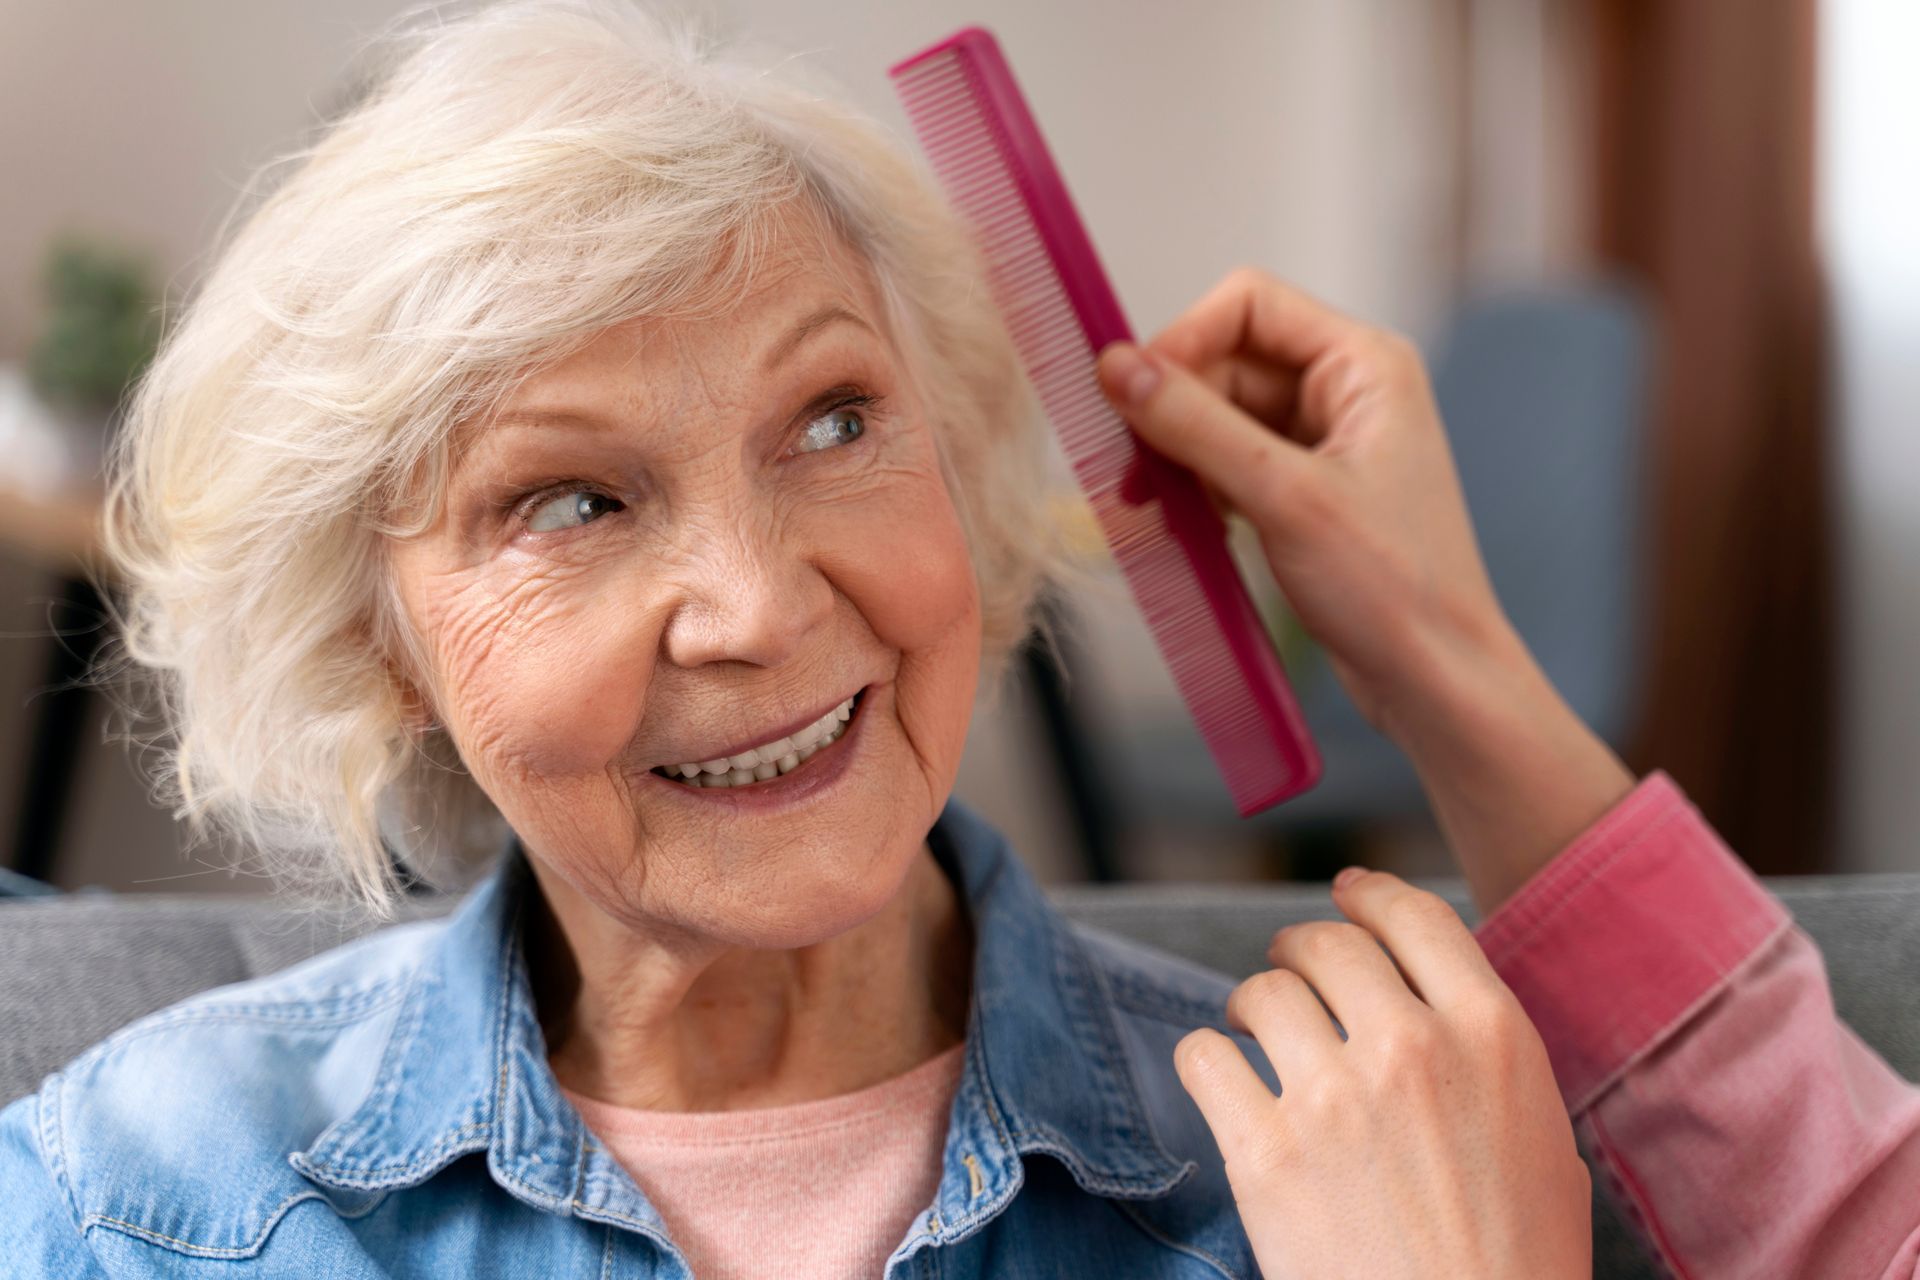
1320,850
1090,800
62,704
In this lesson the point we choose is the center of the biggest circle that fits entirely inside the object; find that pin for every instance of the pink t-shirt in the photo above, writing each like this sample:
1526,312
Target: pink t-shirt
824,1189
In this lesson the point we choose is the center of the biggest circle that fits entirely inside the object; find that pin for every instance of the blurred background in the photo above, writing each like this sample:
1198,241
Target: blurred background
1664,256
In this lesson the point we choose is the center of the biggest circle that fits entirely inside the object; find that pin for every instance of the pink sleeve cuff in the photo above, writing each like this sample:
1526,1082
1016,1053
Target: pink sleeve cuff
1626,933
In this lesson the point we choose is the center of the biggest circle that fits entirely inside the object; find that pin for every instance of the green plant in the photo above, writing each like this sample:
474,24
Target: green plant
102,324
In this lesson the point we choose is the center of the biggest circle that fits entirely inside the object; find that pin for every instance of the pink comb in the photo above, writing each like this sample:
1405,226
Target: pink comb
988,153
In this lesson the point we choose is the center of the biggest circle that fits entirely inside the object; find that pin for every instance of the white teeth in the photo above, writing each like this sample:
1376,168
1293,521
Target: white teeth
770,760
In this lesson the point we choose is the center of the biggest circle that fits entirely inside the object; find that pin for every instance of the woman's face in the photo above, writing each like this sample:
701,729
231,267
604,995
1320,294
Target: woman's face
690,540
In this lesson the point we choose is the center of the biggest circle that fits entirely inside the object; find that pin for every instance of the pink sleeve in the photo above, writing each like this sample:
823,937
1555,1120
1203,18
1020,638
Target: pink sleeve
1749,1131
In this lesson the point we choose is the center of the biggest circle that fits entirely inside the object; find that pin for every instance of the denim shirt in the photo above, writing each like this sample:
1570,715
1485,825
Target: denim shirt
387,1109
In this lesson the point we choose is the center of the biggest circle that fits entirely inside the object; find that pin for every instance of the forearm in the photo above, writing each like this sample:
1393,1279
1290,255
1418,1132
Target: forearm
1511,773
1695,1042
1763,1138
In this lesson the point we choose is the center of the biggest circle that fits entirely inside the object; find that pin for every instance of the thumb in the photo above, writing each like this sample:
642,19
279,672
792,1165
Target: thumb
1246,461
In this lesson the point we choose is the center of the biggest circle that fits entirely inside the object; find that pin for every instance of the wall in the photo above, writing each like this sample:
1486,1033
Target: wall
1870,210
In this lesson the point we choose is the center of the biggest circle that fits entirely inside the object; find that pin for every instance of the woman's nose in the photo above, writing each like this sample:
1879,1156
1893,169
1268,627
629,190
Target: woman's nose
751,598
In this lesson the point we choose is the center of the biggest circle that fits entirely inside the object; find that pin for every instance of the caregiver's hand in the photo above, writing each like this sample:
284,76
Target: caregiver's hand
1431,1142
1323,432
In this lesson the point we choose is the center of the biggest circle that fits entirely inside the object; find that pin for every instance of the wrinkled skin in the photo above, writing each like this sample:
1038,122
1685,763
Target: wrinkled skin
682,579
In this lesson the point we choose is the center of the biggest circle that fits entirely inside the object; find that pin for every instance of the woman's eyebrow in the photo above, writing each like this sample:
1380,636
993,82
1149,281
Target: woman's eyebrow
816,321
536,417
473,448
780,350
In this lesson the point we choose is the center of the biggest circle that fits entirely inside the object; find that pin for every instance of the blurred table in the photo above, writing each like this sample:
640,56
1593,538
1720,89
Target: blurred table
59,534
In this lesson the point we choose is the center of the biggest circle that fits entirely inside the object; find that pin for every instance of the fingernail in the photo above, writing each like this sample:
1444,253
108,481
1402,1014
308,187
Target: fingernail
1348,876
1137,371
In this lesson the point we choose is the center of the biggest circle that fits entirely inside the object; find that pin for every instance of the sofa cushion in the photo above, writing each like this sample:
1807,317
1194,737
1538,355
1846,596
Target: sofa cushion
74,968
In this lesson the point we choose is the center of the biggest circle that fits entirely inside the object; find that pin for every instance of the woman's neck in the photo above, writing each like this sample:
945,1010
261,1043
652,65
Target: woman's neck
683,1025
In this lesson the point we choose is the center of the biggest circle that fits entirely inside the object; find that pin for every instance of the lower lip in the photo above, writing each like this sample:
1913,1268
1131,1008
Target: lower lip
820,771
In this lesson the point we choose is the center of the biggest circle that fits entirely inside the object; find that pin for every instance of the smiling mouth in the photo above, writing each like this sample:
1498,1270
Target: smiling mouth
769,760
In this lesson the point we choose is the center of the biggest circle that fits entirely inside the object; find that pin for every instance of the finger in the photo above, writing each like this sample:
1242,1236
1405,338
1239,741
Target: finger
1266,392
1349,970
1256,469
1222,505
1251,312
1233,1099
1431,943
1279,1010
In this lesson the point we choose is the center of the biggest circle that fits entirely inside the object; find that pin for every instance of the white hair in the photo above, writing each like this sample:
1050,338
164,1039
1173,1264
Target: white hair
520,178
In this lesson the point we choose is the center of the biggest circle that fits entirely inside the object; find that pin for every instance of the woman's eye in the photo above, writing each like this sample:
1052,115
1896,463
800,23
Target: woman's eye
570,510
839,425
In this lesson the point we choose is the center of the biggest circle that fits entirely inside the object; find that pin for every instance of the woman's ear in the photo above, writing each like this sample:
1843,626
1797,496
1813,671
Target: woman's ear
419,718
417,715
416,712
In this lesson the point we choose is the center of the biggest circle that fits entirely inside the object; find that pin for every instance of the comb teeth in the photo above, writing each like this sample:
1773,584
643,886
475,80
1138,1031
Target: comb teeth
987,153
1256,765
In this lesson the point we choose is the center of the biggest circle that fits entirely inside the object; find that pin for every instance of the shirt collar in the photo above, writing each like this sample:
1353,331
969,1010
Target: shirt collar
465,1069
1046,1071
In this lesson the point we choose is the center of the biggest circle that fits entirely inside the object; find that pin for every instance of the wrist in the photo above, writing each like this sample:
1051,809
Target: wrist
1511,771
1459,675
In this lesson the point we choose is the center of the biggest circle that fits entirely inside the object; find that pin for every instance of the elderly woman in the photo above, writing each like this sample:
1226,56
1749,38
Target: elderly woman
596,472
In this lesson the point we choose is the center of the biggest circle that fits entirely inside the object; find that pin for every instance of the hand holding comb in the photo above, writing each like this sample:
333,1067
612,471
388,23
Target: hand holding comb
986,150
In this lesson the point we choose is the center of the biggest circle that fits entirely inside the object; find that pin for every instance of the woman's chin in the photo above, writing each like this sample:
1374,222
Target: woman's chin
814,898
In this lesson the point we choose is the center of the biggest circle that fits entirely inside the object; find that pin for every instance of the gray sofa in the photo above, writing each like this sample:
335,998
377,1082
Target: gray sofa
74,968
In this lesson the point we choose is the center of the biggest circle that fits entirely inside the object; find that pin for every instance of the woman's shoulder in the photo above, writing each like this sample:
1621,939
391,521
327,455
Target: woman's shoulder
1148,982
1156,998
200,1103
308,1003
